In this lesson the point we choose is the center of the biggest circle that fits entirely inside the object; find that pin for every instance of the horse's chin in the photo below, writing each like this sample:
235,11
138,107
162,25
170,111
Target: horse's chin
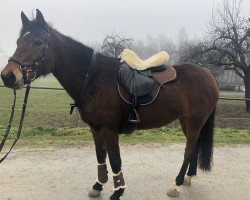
19,85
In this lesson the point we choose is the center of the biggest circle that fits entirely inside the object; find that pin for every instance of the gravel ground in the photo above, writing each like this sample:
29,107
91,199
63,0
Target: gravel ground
67,174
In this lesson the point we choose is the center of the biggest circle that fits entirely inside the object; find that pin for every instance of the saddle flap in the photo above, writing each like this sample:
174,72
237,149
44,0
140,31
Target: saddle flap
136,83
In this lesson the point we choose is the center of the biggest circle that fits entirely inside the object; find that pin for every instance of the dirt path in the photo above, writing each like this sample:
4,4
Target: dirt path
67,174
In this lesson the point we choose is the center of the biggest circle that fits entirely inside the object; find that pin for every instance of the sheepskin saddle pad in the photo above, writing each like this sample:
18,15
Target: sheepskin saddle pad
132,60
143,85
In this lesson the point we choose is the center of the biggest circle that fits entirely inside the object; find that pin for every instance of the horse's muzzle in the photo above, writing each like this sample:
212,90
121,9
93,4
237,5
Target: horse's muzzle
9,80
12,76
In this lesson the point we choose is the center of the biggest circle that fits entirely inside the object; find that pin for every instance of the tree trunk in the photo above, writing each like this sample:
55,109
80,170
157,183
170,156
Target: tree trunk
247,88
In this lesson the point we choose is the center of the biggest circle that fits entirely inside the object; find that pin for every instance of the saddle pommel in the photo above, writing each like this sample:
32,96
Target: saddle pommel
131,59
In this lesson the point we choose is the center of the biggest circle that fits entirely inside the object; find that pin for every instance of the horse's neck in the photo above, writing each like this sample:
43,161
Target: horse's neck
71,64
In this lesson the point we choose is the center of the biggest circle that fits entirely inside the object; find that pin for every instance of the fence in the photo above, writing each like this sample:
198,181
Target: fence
50,109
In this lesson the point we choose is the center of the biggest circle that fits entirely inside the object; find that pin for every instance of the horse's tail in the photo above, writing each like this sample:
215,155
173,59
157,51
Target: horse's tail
205,155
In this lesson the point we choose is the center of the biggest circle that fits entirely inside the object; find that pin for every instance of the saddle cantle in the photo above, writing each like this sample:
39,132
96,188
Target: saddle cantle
130,57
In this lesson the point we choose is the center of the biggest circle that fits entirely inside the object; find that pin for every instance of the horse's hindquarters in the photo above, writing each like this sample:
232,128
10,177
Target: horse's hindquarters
194,95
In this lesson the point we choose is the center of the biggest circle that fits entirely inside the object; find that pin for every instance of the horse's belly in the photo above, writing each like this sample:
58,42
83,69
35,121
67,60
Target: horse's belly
168,107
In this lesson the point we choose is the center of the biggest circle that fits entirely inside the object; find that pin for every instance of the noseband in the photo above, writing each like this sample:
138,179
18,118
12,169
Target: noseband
31,67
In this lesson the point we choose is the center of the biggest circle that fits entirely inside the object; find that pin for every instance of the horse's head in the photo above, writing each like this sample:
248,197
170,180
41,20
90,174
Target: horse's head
33,56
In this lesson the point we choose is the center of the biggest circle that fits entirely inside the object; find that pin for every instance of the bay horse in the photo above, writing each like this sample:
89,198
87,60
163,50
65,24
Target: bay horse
191,99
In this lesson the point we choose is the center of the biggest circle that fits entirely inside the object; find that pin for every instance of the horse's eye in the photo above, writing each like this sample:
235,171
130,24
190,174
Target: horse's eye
38,42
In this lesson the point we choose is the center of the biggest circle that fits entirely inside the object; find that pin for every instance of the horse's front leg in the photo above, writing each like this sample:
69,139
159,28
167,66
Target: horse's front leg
102,172
111,141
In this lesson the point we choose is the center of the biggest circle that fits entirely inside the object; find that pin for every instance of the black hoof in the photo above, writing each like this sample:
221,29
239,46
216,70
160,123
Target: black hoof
116,195
97,186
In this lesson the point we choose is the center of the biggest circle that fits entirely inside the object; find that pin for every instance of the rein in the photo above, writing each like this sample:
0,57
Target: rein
84,84
11,120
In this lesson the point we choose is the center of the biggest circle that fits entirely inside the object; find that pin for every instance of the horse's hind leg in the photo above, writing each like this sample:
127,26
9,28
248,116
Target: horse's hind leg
192,170
111,142
102,172
193,127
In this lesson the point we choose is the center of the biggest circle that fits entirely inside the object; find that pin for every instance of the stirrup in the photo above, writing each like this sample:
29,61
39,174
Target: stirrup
134,117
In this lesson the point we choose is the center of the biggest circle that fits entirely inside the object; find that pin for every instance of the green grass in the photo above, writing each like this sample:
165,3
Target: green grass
44,137
233,94
45,107
232,136
231,102
48,81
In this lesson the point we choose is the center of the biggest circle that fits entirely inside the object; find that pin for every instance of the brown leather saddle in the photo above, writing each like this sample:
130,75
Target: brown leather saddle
140,88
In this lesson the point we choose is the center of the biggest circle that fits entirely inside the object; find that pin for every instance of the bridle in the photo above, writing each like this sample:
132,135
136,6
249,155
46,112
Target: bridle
32,67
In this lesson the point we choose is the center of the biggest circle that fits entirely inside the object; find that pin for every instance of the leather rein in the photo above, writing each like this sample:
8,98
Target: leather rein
11,120
26,69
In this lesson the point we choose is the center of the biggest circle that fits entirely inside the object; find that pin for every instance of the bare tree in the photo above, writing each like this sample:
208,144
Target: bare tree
94,45
228,43
151,45
192,51
113,44
182,36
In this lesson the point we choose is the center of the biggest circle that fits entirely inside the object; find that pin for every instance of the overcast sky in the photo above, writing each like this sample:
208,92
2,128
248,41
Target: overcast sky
88,20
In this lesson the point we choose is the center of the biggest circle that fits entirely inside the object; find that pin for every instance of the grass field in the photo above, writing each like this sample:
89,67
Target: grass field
48,121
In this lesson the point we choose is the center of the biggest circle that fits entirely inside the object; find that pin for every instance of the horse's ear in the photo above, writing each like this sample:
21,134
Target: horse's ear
40,20
25,20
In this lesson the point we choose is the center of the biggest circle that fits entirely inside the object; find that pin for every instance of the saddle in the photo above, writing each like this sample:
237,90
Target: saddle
142,87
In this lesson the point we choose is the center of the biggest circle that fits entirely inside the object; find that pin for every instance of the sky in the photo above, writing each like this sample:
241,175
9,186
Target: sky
89,20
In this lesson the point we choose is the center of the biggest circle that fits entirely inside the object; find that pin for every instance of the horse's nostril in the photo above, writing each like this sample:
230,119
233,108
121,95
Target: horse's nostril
9,79
10,76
